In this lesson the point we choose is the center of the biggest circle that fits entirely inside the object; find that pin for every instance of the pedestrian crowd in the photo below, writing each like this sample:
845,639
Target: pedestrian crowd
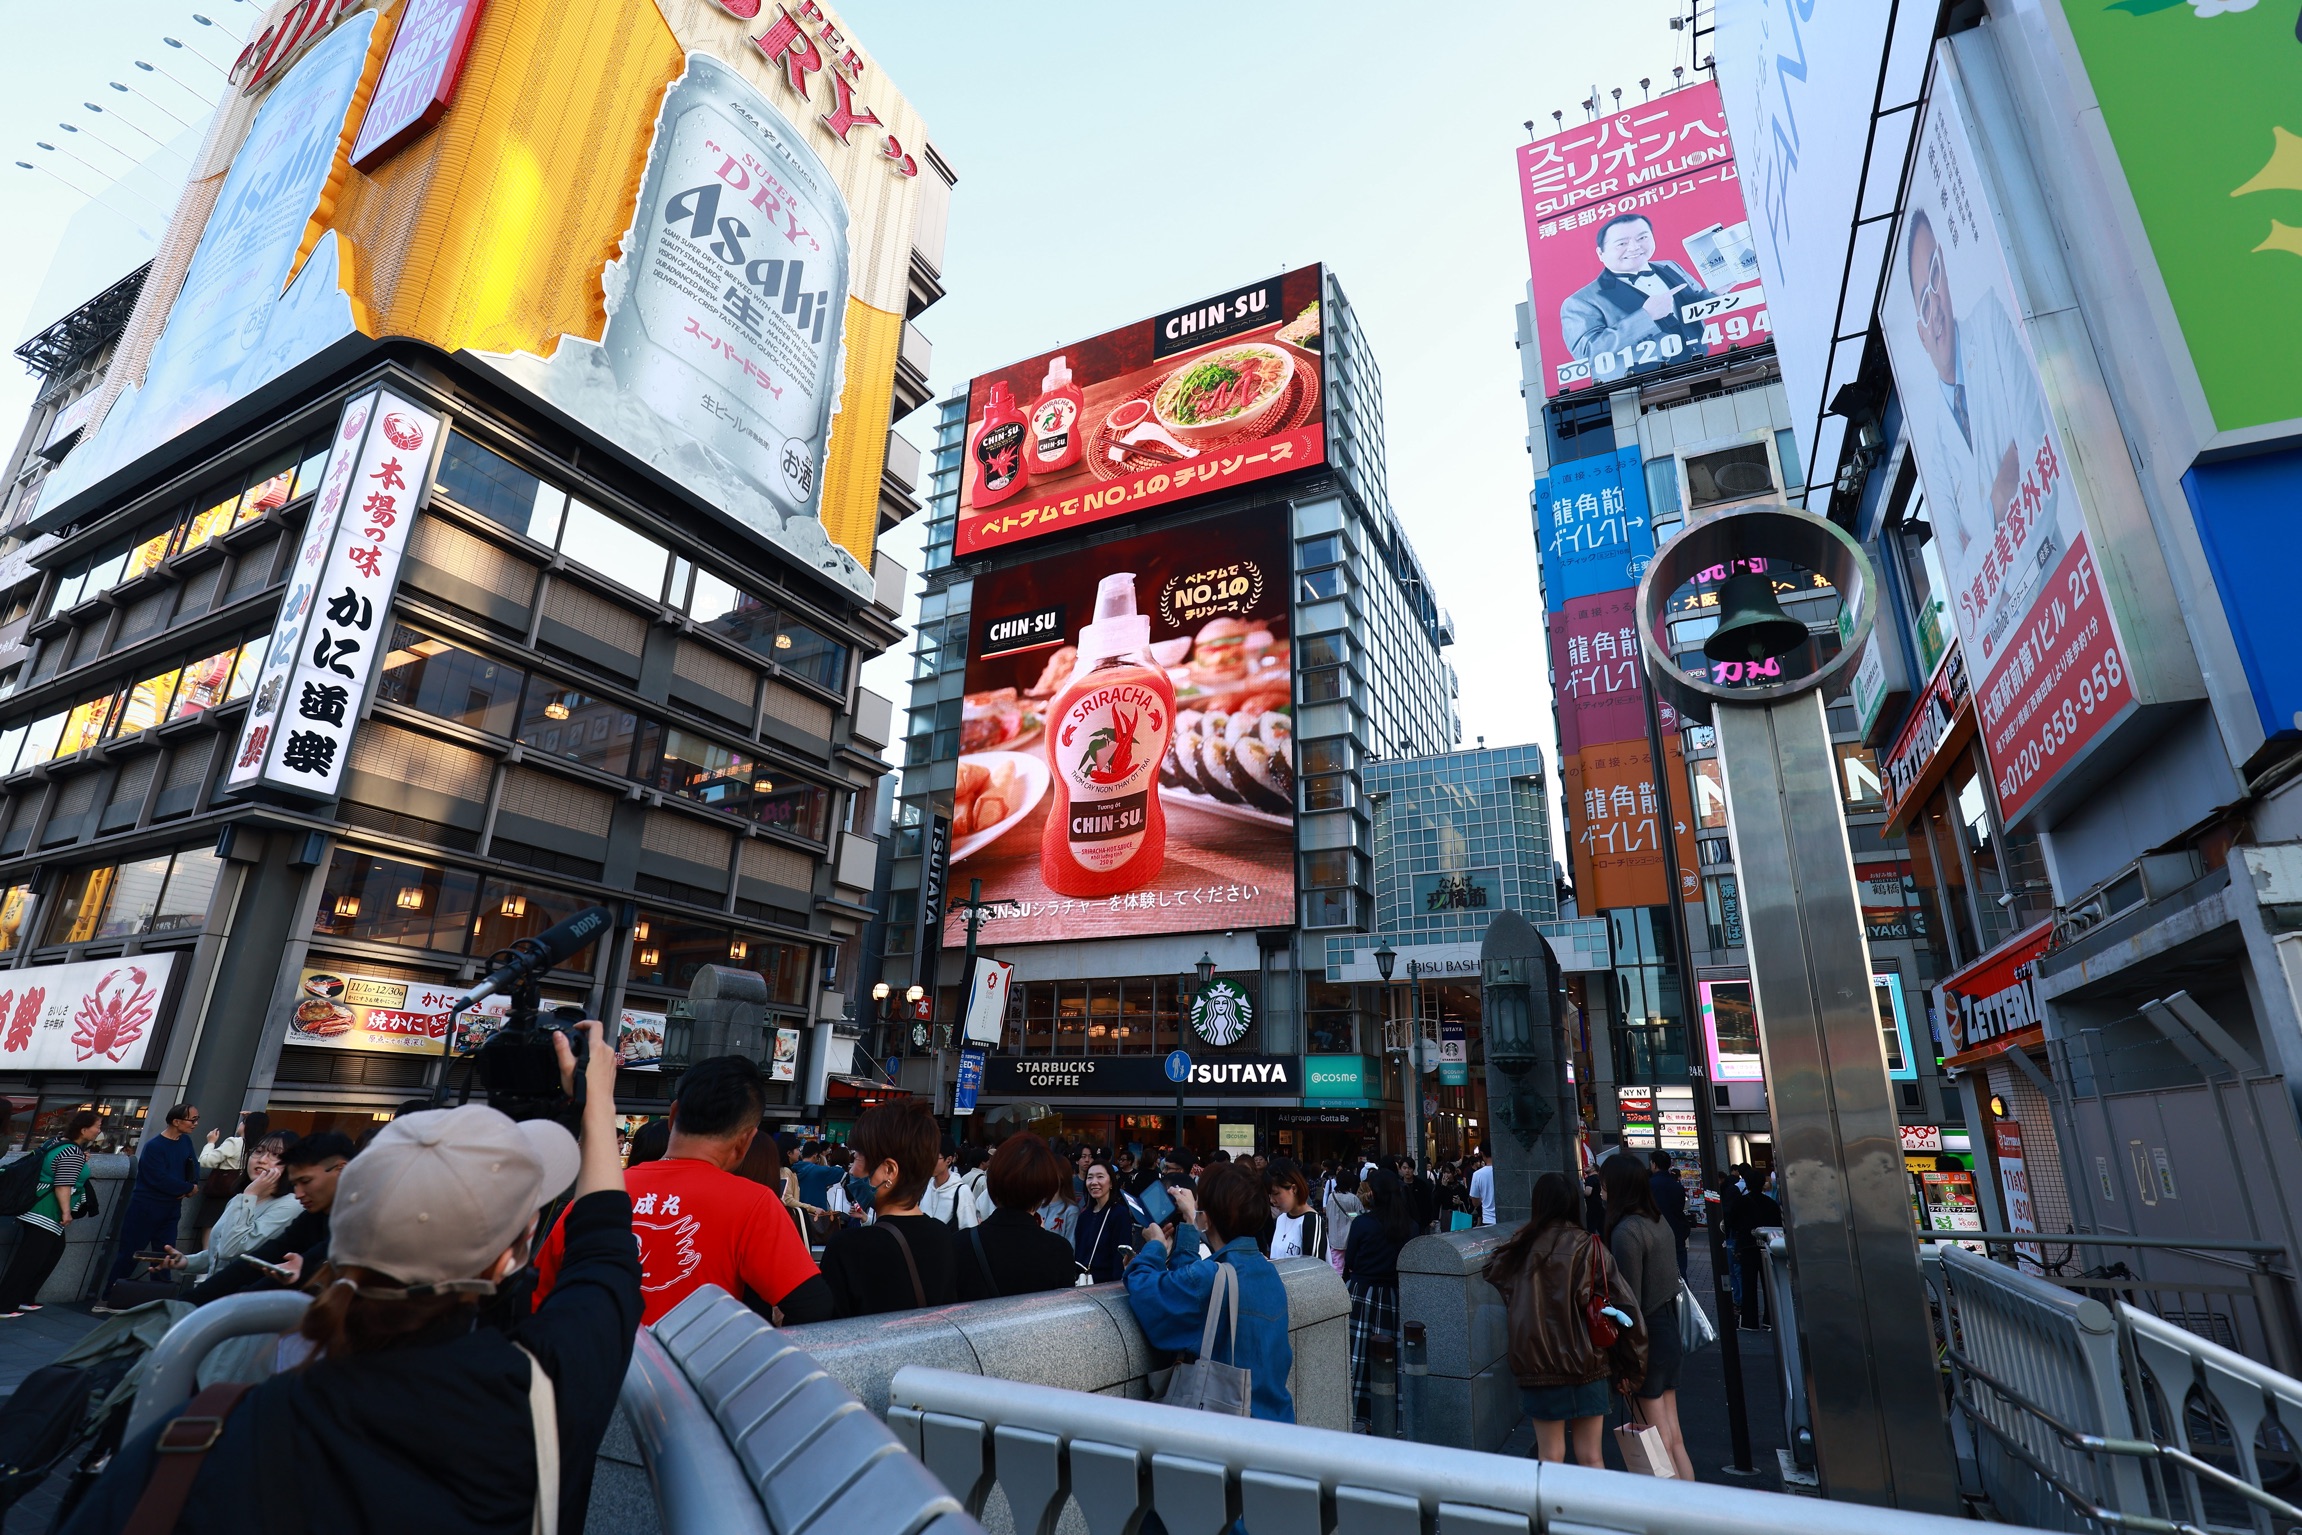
477,1282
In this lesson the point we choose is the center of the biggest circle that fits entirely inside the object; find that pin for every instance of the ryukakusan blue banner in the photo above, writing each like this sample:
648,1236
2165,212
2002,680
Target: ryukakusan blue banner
1591,526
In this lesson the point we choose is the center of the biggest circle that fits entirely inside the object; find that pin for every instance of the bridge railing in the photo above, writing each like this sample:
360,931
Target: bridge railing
2075,1408
1046,1449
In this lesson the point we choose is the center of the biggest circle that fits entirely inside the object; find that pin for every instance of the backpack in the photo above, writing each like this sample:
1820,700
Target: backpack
20,1180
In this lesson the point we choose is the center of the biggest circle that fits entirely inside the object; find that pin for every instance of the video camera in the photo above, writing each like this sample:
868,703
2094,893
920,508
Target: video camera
516,1065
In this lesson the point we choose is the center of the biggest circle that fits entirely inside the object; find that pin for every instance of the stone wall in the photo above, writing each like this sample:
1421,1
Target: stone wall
1469,1399
1083,1340
87,1242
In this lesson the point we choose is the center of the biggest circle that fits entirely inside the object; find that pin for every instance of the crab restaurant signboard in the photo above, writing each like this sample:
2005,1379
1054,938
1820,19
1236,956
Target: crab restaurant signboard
94,1015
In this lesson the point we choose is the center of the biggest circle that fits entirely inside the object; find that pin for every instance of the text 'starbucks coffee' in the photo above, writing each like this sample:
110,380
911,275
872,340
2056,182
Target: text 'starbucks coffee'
1107,734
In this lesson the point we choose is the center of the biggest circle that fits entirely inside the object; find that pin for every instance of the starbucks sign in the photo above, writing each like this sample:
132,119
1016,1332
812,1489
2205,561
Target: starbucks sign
1221,1012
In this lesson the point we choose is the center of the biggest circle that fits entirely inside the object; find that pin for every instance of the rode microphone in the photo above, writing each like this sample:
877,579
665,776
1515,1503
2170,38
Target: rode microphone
547,950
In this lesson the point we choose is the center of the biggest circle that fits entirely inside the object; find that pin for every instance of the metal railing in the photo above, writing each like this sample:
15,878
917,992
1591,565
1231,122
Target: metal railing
1046,1450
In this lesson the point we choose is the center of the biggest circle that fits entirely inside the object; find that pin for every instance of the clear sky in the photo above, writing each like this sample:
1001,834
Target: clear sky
1114,161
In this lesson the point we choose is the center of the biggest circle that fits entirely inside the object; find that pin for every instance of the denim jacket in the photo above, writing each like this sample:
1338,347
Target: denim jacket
1169,1295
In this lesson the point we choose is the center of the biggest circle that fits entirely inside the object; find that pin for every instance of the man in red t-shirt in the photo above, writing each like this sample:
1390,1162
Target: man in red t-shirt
697,1223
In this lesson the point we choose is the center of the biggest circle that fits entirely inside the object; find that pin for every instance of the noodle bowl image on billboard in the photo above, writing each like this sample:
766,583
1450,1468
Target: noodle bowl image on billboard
1127,756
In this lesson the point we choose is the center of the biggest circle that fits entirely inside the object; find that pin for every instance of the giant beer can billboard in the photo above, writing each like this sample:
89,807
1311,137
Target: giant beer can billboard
687,228
724,323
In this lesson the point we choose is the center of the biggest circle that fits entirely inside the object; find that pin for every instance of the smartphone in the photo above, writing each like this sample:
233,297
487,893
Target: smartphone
273,1269
1157,1203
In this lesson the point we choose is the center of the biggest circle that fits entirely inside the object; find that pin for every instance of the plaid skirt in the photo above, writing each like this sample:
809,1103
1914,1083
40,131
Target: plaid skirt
1374,1314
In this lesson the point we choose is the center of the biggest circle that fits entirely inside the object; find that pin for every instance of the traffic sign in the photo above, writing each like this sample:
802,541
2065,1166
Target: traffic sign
1179,1067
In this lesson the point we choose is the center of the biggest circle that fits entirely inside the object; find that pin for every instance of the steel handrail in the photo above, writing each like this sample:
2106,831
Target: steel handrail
2141,1449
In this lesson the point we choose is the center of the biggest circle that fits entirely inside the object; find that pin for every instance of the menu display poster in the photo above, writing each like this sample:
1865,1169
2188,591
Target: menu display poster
339,1010
639,1040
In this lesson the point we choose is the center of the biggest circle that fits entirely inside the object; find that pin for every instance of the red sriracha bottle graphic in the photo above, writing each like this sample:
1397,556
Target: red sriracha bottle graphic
1109,728
999,467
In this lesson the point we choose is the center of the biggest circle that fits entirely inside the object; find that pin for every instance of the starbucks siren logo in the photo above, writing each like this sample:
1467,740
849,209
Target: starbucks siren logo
1221,1012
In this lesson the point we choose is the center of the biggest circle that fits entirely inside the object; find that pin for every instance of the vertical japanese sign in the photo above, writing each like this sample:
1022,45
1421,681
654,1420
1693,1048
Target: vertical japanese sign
970,1084
1595,540
987,1002
2014,1182
2051,676
1638,244
333,620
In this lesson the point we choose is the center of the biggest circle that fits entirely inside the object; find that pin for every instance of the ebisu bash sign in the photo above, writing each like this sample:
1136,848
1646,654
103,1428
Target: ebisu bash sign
686,226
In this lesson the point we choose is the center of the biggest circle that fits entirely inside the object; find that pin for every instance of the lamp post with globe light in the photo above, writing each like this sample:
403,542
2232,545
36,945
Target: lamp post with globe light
1188,997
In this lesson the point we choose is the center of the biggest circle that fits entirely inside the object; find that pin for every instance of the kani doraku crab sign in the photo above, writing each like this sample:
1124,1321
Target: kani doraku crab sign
95,1015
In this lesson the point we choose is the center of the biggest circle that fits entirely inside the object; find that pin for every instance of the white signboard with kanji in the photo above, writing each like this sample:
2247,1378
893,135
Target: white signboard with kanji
91,1015
336,617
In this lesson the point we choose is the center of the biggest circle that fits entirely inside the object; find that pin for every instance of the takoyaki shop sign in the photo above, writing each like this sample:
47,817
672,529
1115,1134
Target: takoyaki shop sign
1214,395
1141,1076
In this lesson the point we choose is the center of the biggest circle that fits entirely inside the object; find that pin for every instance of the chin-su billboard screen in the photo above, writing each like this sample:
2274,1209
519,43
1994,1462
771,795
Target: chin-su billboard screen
1127,753
1217,394
1638,244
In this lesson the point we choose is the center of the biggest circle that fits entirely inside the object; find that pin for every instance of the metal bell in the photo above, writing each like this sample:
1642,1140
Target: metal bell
1752,625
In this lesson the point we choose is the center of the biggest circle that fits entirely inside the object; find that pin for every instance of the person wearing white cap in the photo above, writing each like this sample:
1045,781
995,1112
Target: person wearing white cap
415,1412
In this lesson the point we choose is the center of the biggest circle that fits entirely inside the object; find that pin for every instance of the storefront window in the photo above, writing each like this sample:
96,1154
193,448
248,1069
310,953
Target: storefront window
1038,1017
507,912
1329,1017
570,724
167,893
1978,830
15,907
725,779
1071,1018
668,951
381,900
1102,1017
621,554
807,653
204,684
450,683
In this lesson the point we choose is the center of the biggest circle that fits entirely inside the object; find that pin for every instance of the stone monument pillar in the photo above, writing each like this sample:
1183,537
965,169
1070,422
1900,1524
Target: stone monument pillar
1522,1000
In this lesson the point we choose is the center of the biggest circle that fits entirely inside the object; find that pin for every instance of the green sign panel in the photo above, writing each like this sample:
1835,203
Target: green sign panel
1335,1076
2202,101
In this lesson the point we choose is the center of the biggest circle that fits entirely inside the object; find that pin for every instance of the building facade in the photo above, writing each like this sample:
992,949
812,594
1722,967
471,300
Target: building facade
261,831
1350,635
2080,689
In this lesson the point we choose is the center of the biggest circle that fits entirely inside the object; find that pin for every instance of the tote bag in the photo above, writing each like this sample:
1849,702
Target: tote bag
1203,1383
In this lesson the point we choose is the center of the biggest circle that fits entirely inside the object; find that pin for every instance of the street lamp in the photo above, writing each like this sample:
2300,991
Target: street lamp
1186,996
1385,958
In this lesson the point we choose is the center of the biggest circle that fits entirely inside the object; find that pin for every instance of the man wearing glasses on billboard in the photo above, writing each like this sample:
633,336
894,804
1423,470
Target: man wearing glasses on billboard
1633,304
1988,416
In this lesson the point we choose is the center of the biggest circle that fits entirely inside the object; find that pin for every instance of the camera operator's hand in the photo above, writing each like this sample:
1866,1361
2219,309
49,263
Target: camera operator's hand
602,1168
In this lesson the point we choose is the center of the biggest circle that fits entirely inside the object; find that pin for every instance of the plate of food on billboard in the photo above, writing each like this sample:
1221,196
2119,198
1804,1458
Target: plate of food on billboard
1127,759
1641,253
1220,393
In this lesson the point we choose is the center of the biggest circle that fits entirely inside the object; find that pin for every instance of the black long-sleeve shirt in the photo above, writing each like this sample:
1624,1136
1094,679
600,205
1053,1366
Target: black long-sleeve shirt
434,1435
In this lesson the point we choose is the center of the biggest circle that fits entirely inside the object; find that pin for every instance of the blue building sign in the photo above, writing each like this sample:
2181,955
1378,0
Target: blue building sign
1591,526
2246,510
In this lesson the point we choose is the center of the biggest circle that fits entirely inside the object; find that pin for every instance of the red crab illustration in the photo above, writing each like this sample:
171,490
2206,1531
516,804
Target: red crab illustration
27,1014
108,1025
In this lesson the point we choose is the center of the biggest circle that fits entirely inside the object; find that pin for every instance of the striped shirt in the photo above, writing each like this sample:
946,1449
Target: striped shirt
62,1172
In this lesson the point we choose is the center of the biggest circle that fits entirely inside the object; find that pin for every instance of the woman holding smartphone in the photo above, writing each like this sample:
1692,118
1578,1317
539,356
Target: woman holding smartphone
253,1216
1107,1224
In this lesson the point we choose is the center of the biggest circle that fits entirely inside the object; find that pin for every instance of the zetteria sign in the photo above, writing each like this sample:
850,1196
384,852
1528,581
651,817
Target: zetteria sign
1930,724
1141,1076
332,623
1996,997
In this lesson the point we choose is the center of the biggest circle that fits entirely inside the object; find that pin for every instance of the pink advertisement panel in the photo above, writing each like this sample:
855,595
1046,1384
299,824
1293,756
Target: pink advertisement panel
1638,244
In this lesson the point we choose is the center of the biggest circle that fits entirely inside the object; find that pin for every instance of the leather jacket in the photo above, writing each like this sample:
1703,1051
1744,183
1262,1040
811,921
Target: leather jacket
1549,1327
